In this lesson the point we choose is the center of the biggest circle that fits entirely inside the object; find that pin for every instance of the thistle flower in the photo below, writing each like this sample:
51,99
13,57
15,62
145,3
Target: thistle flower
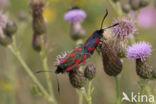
122,31
146,18
39,26
125,28
140,51
77,79
75,16
90,72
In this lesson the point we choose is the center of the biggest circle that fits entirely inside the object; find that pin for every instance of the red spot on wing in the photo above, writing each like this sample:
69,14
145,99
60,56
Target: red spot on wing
91,48
80,49
85,56
84,61
75,49
69,68
71,55
77,63
74,59
96,40
63,61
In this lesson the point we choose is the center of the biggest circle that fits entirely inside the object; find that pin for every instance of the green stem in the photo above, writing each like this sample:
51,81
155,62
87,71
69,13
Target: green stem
46,68
89,93
118,97
144,88
13,48
79,92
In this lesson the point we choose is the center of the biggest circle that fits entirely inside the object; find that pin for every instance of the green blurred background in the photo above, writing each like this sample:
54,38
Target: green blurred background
15,84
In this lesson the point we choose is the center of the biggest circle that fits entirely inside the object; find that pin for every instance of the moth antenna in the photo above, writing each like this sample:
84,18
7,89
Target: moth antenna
104,18
58,85
111,26
43,71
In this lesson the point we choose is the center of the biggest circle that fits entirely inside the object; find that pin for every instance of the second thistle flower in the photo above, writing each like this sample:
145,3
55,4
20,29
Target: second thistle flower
75,16
140,51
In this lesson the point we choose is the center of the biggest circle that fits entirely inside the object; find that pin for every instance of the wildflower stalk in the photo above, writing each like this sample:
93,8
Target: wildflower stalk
89,93
118,97
80,96
144,88
43,55
13,48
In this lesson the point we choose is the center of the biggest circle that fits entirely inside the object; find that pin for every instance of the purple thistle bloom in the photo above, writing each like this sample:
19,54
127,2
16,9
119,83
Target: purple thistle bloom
124,28
146,17
140,50
75,15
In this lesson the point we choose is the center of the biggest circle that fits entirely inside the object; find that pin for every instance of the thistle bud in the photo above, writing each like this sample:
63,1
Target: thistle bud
135,4
36,42
143,69
39,26
75,17
144,3
126,8
140,51
4,39
111,61
90,72
154,73
10,28
77,79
